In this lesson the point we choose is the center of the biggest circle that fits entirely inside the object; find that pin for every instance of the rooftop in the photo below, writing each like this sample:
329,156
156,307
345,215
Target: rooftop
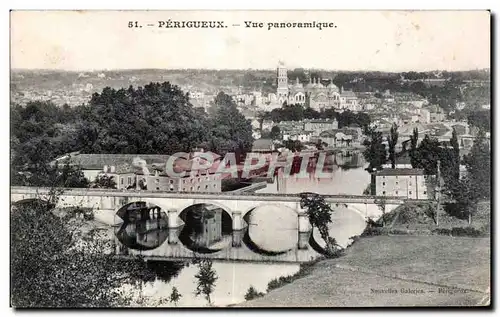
320,121
400,172
353,132
97,161
263,145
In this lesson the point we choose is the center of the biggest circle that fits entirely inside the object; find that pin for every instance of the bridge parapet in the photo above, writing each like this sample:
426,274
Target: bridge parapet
15,191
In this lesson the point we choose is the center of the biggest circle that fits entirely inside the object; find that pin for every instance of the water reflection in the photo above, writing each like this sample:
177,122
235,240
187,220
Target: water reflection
270,228
141,226
231,286
350,178
207,228
273,228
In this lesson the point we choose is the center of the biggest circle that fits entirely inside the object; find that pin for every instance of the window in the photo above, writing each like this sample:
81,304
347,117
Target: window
425,192
383,193
206,178
396,177
157,180
171,189
383,184
206,186
129,180
157,188
397,183
184,181
121,181
396,192
171,181
191,188
409,192
198,188
215,185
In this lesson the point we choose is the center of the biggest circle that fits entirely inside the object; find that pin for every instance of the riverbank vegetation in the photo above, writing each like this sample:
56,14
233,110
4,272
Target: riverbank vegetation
252,293
59,260
420,219
320,216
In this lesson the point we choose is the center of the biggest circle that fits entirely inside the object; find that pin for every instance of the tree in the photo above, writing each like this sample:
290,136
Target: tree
261,116
456,155
175,296
319,145
381,203
154,119
480,119
230,131
252,293
275,132
375,152
319,213
427,155
477,183
52,265
104,181
451,166
413,148
206,278
393,140
294,146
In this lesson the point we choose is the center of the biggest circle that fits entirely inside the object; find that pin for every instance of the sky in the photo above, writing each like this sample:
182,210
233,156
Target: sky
362,40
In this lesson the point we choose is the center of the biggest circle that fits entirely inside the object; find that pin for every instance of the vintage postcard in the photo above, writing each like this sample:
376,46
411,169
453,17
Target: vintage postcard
250,158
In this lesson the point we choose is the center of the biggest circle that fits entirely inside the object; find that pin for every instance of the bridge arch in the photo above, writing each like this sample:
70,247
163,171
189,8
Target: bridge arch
16,204
265,204
207,202
29,201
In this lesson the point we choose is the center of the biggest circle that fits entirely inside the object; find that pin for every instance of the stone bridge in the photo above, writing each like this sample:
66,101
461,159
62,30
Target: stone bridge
106,202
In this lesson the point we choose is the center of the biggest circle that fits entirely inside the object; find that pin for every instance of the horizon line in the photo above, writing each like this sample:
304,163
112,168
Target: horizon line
245,69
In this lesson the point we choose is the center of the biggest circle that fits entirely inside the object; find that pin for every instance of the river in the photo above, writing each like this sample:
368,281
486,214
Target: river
273,229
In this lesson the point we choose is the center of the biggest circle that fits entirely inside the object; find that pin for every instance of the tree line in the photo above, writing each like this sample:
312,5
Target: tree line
297,112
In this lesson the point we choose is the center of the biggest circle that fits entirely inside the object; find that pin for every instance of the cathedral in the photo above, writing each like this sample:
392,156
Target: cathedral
314,94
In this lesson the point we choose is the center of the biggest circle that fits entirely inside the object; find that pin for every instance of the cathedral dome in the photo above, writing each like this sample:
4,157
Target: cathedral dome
310,85
298,85
332,86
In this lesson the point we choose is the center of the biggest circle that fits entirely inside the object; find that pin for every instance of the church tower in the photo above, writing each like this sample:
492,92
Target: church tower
282,91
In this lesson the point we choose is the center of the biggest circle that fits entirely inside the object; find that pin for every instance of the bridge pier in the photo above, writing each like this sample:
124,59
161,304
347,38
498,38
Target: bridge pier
173,226
237,229
237,238
304,230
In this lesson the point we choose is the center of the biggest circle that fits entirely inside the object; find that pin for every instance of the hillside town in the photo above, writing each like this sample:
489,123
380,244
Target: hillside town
297,116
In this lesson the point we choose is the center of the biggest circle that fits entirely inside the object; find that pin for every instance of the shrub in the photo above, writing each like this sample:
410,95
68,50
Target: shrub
355,238
465,232
399,231
252,293
459,232
370,232
442,231
278,282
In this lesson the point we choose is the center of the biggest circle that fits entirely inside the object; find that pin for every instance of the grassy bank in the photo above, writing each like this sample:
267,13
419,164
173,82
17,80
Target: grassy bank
411,262
375,271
